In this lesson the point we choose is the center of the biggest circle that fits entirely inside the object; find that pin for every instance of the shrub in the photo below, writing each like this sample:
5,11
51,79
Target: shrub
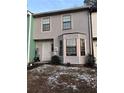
68,64
90,61
36,59
55,60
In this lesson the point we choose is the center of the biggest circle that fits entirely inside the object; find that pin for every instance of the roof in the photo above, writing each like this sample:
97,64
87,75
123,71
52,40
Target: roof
29,12
56,12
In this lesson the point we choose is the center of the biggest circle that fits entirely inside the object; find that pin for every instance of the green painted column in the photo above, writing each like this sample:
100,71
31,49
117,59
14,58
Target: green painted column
30,40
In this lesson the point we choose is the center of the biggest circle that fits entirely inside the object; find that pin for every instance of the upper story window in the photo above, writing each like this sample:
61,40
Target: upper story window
46,24
66,22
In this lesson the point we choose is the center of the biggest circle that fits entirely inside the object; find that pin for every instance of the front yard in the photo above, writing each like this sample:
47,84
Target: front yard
61,79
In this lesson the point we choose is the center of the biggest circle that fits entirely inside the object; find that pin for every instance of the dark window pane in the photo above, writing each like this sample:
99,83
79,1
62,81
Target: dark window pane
82,46
67,25
46,27
71,51
52,47
61,48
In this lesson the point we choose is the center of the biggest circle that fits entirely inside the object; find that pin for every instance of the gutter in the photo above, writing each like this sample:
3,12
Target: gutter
91,35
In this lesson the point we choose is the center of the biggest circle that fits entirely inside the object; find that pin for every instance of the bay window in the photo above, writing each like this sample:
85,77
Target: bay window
61,48
71,47
82,47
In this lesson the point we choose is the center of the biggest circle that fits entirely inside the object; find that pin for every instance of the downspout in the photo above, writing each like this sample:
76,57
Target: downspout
29,36
90,33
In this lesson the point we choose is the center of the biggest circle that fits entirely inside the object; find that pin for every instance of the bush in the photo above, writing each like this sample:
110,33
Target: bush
68,64
90,61
55,60
36,59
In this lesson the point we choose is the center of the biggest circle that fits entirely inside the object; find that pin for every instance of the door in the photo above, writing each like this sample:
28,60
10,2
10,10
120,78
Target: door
46,50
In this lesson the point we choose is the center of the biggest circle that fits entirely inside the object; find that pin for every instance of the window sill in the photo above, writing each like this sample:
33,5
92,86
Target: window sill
67,29
45,30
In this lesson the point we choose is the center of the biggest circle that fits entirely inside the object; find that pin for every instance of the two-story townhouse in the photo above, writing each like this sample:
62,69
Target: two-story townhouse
66,33
30,40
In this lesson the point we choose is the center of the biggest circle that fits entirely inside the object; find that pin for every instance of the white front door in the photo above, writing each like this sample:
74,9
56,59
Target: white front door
46,50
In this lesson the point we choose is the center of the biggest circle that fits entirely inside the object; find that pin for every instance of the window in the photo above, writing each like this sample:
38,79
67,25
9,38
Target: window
71,47
82,46
66,22
46,24
61,48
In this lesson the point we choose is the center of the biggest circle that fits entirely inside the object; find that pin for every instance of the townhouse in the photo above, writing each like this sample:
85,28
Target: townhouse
66,33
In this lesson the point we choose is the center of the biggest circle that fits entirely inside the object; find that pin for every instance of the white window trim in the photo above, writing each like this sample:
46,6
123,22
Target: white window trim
66,46
71,15
41,24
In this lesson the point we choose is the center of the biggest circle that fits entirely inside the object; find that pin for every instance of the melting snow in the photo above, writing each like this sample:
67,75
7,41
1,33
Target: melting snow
57,71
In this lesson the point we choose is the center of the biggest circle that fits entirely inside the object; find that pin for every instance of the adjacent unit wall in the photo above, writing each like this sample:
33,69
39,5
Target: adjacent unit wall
94,24
30,40
94,30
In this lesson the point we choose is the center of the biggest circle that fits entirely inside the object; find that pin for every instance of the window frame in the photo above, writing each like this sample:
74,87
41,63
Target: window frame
82,50
71,47
66,22
43,24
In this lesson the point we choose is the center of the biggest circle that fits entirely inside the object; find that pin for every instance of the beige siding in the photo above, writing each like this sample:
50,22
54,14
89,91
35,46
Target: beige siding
94,30
94,24
79,24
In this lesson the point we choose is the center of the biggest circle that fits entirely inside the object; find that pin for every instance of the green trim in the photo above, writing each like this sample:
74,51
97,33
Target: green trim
32,42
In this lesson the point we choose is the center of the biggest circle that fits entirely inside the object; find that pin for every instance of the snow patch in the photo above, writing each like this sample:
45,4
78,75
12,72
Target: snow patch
91,81
74,87
55,73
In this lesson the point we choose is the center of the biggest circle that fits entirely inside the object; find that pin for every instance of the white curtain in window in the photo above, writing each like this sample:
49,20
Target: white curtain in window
66,18
71,42
46,21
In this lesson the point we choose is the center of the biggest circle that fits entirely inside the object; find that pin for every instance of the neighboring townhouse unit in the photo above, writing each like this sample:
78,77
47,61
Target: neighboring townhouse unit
66,33
30,40
94,30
